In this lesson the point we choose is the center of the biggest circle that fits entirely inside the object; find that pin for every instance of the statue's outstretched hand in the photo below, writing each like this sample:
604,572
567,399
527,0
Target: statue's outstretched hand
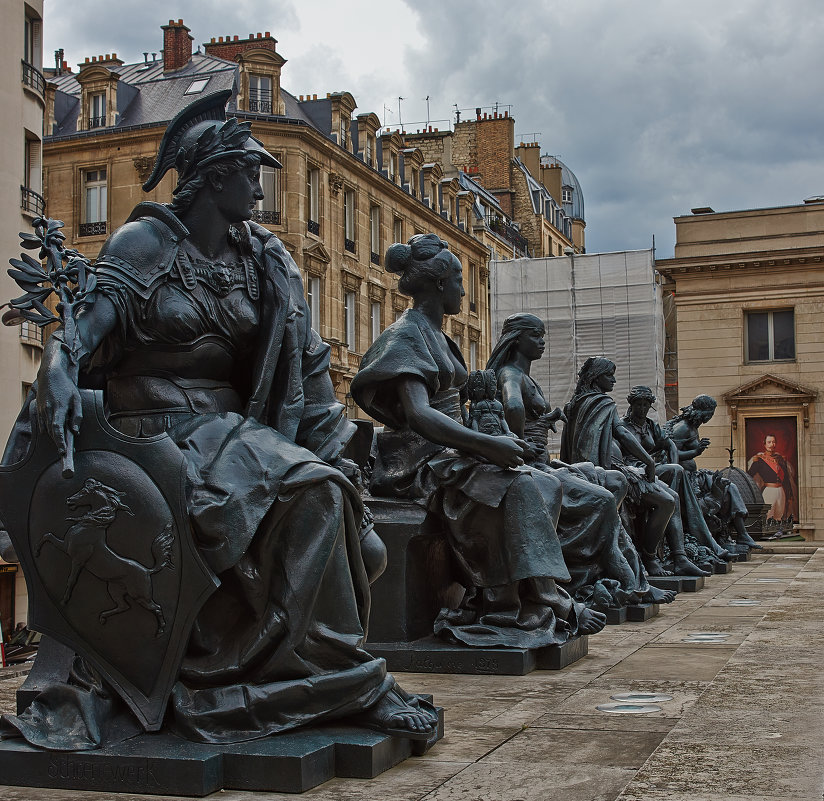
555,416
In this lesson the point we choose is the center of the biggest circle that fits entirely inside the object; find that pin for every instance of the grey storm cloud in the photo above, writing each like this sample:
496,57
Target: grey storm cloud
657,105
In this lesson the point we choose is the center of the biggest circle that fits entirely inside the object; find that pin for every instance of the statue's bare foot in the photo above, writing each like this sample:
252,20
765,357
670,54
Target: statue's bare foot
393,714
591,622
684,567
658,596
654,567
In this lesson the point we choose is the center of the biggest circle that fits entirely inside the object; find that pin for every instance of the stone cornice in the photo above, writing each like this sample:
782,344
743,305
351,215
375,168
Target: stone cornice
734,262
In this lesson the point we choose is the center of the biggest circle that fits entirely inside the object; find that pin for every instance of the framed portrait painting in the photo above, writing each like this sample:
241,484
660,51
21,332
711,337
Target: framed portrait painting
772,461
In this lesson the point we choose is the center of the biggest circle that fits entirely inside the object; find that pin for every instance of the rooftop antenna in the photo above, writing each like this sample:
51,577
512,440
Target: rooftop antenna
427,109
400,119
386,110
457,114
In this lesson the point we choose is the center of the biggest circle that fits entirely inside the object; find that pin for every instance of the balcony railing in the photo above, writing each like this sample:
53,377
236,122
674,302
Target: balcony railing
313,227
266,217
92,228
349,244
508,232
33,78
97,122
31,202
261,105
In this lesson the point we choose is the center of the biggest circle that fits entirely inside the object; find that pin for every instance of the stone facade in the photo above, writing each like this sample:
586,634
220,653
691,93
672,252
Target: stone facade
731,273
21,191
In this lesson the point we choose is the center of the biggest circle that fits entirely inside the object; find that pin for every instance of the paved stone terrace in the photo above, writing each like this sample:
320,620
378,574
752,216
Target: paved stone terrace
746,721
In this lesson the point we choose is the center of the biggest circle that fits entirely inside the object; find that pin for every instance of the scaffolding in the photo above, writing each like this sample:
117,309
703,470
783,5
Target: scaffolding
597,304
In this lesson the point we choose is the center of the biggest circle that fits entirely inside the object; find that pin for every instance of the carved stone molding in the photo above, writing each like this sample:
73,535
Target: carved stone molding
336,182
770,392
143,165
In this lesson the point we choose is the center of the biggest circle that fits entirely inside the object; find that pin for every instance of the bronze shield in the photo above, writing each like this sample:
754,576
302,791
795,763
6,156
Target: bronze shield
108,554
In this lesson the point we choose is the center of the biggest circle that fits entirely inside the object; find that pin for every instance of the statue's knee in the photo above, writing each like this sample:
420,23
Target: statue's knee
374,555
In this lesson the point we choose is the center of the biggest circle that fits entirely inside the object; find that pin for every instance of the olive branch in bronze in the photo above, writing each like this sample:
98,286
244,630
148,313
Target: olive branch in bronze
69,275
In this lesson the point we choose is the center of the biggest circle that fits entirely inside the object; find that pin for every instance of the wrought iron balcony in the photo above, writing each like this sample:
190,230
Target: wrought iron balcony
260,105
508,232
97,122
313,227
349,244
266,217
31,202
33,78
92,228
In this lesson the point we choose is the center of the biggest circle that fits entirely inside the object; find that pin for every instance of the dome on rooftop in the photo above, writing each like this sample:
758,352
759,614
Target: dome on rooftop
573,197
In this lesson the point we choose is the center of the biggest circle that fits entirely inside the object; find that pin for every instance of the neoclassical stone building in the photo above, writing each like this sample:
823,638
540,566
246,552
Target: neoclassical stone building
346,192
749,297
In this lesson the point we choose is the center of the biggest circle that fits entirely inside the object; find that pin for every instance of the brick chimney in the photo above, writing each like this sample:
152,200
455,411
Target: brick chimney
496,147
177,45
230,46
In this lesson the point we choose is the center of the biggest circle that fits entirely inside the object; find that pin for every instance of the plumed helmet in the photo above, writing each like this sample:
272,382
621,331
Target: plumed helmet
199,135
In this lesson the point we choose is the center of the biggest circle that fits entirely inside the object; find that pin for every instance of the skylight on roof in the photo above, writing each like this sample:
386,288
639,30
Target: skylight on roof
196,87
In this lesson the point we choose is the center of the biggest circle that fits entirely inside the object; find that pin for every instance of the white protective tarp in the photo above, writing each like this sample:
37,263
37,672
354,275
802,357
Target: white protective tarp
597,304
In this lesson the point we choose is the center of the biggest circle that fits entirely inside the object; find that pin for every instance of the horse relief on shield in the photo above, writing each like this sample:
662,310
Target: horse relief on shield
127,580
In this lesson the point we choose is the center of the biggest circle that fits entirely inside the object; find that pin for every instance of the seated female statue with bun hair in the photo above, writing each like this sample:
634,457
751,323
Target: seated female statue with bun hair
500,520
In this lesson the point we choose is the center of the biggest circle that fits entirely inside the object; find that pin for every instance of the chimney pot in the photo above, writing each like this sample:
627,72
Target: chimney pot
314,97
171,22
236,37
268,34
180,22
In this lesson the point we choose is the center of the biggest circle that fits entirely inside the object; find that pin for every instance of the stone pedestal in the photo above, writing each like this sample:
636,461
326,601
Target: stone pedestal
638,613
431,655
162,764
721,568
677,583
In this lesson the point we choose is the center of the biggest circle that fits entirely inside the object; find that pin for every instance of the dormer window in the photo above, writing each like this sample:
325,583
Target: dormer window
343,136
196,87
97,110
566,194
367,151
260,94
393,166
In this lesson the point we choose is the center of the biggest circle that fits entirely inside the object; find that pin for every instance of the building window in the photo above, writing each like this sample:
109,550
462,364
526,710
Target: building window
349,220
31,43
456,338
416,183
472,290
313,200
268,209
374,321
93,214
566,194
375,234
473,355
31,334
97,110
349,314
367,151
260,94
196,87
770,335
393,166
313,301
397,230
343,136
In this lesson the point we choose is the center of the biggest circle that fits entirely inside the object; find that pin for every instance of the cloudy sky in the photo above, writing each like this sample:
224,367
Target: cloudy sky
658,106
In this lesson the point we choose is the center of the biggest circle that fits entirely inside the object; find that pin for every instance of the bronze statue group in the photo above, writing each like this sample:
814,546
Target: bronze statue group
196,328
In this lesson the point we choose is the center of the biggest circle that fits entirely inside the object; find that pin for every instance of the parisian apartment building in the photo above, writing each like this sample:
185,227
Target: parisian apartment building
348,188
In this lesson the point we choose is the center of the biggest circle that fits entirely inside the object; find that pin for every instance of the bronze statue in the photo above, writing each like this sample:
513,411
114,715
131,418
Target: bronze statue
595,432
500,520
716,495
196,328
600,556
